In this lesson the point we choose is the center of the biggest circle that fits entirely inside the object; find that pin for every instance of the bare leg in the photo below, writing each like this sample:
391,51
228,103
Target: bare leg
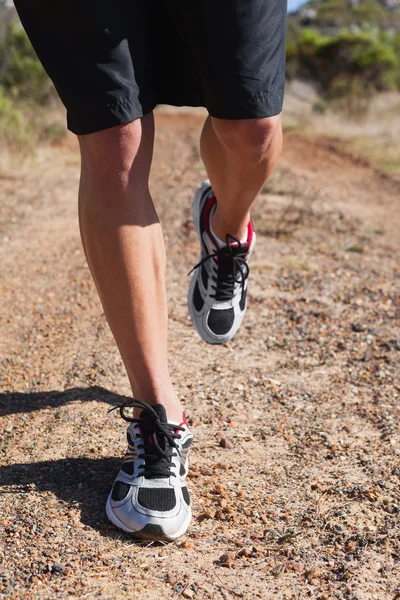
124,246
239,157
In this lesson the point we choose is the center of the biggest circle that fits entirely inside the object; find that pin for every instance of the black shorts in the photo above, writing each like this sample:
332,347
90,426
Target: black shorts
113,61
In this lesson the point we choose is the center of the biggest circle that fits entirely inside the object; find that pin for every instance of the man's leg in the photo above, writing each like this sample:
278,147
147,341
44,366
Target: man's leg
239,157
124,246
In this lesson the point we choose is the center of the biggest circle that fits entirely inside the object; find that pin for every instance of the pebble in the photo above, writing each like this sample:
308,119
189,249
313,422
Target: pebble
227,559
313,573
225,443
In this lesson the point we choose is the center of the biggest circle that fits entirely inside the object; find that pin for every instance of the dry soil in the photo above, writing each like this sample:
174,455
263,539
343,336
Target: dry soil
305,503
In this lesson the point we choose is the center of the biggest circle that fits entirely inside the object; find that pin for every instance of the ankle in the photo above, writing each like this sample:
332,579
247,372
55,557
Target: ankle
175,411
169,400
220,226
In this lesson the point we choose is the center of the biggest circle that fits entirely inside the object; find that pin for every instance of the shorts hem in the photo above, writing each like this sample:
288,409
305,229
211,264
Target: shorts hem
260,105
83,121
92,119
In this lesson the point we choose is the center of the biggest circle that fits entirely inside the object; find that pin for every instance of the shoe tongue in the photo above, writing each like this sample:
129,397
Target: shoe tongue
159,409
239,250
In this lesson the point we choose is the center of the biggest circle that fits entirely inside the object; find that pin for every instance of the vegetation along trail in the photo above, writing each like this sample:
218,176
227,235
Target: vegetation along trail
303,405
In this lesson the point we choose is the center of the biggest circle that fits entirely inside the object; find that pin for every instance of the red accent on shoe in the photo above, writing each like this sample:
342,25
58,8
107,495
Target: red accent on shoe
184,422
250,232
211,202
249,240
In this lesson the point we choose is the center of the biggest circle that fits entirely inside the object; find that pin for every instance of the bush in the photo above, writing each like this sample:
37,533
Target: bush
15,129
292,54
367,57
21,73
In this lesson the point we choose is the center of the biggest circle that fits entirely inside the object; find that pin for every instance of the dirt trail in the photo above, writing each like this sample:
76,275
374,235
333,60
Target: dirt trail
307,500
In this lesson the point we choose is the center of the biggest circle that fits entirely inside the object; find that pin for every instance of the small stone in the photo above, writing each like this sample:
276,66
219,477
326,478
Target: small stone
296,567
227,559
207,514
351,546
222,466
219,488
187,545
313,573
357,327
57,568
246,552
188,593
225,443
193,474
172,579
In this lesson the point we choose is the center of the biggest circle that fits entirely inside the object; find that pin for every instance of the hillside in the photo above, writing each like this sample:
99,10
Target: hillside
348,48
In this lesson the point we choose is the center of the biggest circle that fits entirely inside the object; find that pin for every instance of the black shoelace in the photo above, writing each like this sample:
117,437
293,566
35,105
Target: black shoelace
229,267
158,440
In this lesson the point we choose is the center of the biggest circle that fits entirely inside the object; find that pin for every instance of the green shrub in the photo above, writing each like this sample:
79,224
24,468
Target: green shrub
21,73
292,54
15,129
366,56
319,107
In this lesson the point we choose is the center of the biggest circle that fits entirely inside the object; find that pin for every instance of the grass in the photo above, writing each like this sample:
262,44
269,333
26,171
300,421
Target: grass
24,126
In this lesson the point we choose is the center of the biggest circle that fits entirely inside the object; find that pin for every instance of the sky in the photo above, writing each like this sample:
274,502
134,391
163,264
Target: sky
294,4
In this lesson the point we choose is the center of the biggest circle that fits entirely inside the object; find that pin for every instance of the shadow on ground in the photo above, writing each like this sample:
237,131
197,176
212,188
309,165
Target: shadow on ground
17,402
83,481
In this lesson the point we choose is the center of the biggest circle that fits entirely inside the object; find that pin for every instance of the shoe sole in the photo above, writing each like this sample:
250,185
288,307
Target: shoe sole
152,531
205,336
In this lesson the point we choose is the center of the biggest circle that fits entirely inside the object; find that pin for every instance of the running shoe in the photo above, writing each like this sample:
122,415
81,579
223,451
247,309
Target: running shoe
217,298
149,497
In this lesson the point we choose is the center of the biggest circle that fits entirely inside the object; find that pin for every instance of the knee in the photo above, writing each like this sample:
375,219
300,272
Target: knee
250,138
112,154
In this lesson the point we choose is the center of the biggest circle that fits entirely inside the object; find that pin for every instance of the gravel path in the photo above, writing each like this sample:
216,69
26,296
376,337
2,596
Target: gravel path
305,502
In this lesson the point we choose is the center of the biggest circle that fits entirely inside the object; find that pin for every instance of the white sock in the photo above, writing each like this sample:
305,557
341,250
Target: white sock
220,243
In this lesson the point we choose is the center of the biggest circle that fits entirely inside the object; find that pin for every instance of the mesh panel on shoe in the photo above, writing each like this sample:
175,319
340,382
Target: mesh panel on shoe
221,321
185,495
127,468
119,491
162,499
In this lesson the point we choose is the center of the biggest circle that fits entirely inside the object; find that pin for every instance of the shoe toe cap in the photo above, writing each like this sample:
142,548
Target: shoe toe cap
149,513
220,322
